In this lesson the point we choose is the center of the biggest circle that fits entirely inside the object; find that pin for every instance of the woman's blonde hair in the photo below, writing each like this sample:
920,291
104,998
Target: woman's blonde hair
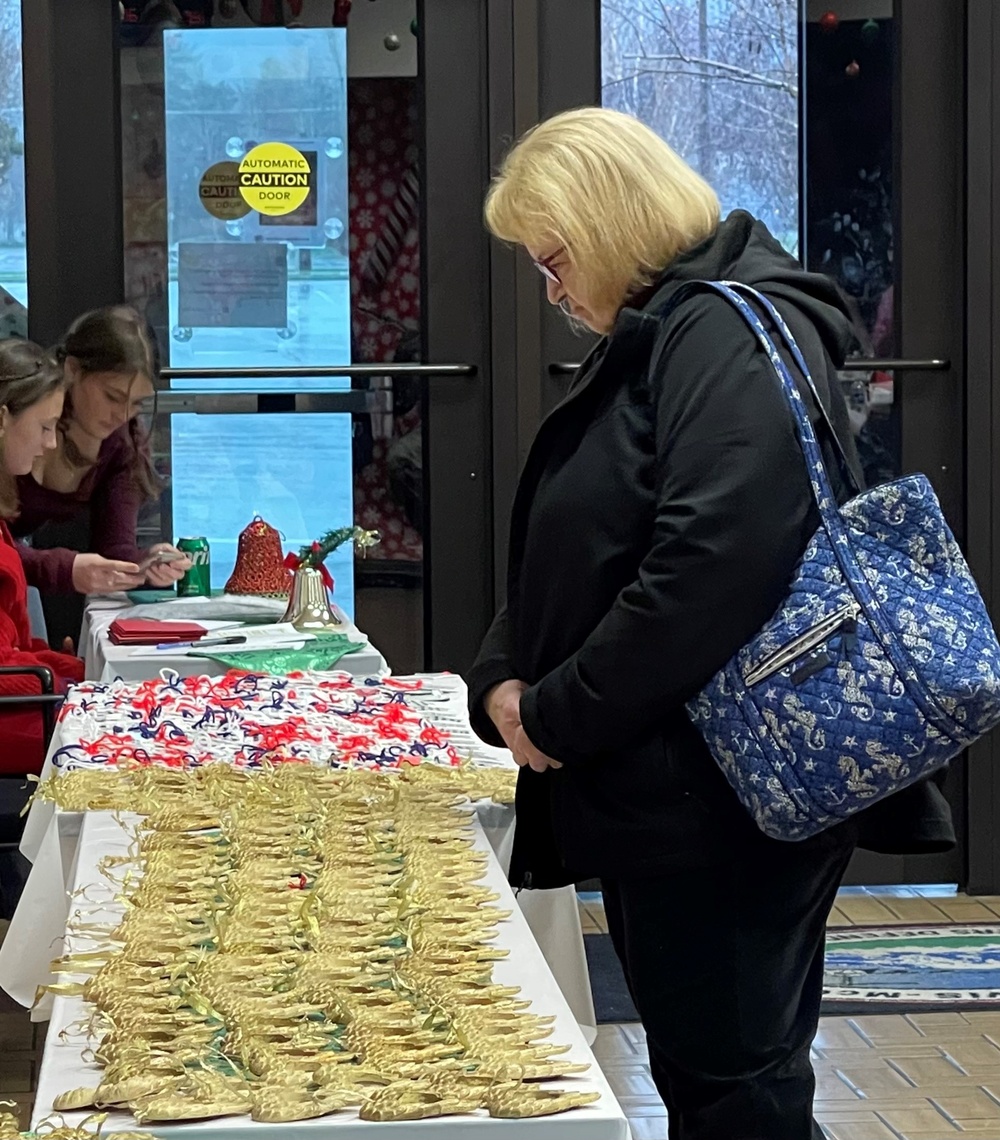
609,191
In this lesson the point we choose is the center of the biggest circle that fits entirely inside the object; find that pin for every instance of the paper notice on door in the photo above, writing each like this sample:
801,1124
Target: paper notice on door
232,286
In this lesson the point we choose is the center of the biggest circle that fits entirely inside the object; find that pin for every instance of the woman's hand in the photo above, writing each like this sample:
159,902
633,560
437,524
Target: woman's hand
164,574
95,574
503,706
525,753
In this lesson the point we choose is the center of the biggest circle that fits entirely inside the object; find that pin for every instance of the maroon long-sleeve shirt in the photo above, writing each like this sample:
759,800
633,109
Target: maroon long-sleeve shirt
108,494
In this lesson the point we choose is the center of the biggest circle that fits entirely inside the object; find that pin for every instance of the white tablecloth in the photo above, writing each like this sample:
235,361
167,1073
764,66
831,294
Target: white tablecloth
104,661
63,1067
49,843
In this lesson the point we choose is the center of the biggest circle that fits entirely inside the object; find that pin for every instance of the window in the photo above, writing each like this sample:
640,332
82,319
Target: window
719,80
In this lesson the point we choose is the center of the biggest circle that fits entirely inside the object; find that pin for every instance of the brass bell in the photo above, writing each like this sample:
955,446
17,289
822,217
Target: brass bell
309,609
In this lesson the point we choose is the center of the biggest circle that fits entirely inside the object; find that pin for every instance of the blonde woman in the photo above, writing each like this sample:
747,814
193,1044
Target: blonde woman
660,513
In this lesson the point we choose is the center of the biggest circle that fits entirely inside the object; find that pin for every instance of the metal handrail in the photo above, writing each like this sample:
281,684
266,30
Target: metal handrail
319,372
893,364
214,402
236,401
854,364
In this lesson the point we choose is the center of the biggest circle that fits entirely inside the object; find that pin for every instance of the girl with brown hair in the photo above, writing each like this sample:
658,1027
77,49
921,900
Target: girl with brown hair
100,465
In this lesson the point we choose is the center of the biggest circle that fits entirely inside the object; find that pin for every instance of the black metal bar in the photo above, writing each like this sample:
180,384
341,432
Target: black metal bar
982,454
892,364
875,364
46,700
929,300
320,372
528,298
72,125
503,295
569,76
455,312
355,401
41,673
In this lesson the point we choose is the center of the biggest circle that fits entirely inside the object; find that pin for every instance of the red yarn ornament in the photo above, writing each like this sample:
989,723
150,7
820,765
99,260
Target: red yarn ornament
260,567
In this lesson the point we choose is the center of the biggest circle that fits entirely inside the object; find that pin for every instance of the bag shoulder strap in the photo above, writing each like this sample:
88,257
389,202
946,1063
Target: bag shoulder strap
737,294
796,354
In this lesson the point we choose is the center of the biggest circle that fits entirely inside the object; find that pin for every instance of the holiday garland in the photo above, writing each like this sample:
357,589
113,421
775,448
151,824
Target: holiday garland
316,553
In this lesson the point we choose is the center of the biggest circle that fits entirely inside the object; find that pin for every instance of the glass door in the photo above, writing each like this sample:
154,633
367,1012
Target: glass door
841,127
276,160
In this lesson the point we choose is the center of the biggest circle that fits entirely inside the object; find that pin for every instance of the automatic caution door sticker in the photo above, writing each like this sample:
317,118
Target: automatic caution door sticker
275,178
219,191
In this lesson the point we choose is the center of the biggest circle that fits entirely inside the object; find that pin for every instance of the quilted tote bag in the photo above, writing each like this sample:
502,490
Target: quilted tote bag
880,665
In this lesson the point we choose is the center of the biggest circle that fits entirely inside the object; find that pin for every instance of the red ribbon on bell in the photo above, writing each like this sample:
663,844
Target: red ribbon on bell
293,562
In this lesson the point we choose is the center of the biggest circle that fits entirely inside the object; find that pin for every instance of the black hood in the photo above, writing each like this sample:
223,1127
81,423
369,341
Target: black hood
743,249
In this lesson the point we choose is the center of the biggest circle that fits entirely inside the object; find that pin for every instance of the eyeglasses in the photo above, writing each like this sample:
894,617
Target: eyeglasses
544,266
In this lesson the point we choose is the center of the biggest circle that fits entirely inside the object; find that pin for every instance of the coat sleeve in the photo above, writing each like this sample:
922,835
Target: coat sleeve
734,513
493,665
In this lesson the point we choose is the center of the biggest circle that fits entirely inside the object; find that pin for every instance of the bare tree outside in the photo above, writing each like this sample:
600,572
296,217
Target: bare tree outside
719,80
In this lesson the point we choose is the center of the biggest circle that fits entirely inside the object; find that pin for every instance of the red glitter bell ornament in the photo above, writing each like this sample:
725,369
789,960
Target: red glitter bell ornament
260,564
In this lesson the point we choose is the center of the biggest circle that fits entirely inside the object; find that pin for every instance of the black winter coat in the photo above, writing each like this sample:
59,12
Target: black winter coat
661,512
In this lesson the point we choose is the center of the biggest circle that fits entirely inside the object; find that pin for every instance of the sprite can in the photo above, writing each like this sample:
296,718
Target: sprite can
197,582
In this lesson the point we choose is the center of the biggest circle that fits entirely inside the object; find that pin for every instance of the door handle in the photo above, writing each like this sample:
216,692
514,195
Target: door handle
893,364
853,364
321,372
355,402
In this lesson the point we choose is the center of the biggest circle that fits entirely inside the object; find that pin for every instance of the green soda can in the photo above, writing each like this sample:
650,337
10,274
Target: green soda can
197,582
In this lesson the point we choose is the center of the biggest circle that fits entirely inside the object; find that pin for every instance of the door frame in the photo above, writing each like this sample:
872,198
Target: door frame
930,245
72,161
982,467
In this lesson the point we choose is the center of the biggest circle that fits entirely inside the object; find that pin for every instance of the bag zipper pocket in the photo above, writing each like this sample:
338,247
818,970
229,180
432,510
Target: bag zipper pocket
846,617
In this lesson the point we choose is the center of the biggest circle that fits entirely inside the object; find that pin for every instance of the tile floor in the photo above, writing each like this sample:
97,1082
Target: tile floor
929,1076
20,1050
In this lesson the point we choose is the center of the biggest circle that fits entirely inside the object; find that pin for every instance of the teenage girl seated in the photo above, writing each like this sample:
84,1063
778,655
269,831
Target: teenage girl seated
100,464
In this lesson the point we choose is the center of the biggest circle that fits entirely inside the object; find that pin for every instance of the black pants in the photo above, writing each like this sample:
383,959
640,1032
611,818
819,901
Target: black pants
725,966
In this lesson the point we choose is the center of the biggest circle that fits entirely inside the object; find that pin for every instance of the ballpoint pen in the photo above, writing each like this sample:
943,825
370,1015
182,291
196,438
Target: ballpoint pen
236,640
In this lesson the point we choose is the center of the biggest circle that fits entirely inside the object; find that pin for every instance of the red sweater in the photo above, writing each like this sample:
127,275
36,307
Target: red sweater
108,494
22,746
